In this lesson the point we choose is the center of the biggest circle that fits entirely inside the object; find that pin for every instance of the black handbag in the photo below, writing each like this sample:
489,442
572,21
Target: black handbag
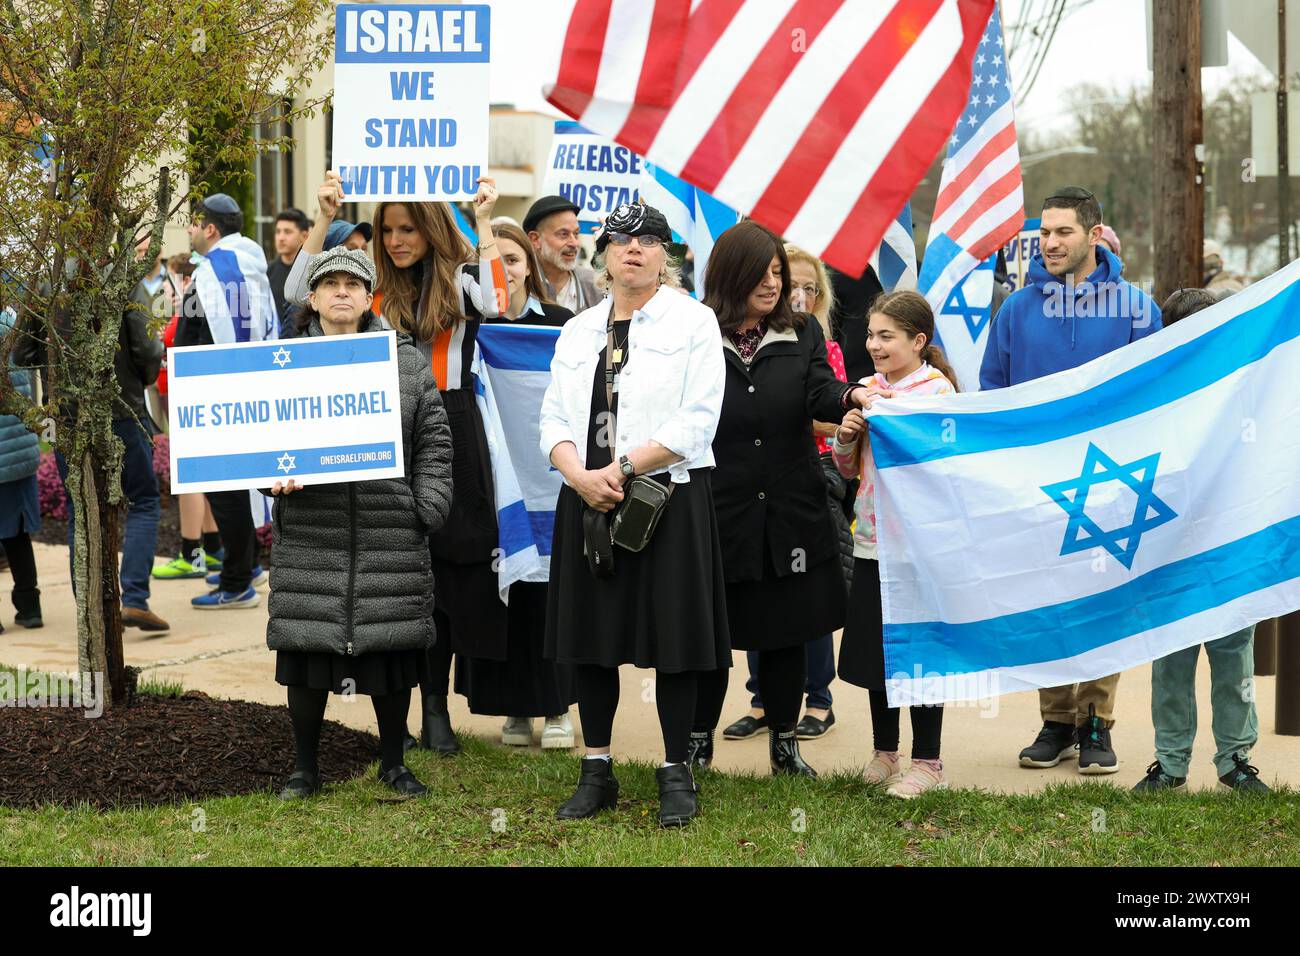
598,545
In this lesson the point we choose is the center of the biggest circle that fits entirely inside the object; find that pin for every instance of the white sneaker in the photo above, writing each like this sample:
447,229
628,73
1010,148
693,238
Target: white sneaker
517,732
557,733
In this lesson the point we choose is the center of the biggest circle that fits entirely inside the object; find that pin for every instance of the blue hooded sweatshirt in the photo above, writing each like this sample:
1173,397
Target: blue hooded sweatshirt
1048,327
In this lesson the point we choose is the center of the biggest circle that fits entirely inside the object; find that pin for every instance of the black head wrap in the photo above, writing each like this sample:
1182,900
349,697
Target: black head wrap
634,219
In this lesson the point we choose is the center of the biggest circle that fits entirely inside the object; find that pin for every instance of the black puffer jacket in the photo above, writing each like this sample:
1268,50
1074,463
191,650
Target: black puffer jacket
350,567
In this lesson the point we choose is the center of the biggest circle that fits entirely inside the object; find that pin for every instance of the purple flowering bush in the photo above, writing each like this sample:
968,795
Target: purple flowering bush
49,486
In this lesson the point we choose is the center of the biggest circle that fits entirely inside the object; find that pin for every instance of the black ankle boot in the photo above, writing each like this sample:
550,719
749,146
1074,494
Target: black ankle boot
597,790
676,795
783,749
27,602
436,733
699,752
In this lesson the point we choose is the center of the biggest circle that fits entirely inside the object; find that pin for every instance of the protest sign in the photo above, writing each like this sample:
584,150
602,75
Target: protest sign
411,100
1020,250
250,414
591,171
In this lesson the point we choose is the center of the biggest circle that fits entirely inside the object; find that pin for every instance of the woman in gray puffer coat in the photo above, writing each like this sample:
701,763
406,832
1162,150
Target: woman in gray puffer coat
20,512
351,607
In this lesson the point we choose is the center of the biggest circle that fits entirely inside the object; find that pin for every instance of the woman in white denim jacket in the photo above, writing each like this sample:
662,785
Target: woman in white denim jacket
664,606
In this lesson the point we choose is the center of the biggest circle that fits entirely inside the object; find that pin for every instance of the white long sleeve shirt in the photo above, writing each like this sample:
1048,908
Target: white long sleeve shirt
670,392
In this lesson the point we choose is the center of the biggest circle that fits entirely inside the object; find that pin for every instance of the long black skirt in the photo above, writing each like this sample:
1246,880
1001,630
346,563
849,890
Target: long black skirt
665,607
782,612
525,684
374,675
472,616
862,646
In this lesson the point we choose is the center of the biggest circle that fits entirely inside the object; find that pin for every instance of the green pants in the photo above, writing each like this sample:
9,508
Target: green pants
1232,702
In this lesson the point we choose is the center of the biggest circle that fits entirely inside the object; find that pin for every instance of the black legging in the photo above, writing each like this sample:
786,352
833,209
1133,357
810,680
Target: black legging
674,699
22,561
307,713
782,674
438,680
927,727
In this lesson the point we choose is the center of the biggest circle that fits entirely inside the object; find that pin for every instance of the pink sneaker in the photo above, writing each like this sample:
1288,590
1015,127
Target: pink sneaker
923,775
883,768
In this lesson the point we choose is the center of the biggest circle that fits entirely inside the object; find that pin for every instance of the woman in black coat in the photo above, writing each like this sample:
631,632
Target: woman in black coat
351,584
785,586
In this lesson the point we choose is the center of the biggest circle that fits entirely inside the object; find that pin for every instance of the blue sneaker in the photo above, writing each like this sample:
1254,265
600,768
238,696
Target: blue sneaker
214,560
219,600
260,577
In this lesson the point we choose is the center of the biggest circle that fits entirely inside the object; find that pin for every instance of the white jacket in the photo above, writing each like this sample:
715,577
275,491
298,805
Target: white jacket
670,391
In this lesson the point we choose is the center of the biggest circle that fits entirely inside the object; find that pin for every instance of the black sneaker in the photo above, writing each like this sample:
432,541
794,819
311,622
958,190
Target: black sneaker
810,728
1095,754
1054,743
1157,779
1243,778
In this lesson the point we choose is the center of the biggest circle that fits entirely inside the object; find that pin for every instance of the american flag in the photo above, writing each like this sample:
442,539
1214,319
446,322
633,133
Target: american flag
981,200
815,117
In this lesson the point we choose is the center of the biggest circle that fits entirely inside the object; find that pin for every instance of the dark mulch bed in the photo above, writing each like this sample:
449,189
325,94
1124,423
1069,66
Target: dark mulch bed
160,750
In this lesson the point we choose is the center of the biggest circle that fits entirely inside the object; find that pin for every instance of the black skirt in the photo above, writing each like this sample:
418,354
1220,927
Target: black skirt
525,684
782,612
371,674
467,609
862,646
665,607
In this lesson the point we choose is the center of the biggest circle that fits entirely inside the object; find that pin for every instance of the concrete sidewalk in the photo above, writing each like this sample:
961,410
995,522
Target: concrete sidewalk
224,653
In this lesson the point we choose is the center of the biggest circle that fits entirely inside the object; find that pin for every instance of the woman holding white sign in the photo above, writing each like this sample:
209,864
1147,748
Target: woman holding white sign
351,587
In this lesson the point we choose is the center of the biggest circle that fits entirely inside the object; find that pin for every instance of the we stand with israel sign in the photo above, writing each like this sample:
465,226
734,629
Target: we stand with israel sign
411,100
317,410
1076,525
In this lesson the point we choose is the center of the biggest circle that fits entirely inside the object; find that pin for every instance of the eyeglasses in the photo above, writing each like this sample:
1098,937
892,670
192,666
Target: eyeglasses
810,291
646,241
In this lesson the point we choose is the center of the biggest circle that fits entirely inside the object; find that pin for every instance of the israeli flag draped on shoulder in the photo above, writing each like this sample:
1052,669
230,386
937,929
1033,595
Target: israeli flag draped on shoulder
695,217
513,368
1079,524
233,289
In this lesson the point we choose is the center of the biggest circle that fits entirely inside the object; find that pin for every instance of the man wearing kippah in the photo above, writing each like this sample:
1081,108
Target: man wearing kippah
229,301
1075,307
552,227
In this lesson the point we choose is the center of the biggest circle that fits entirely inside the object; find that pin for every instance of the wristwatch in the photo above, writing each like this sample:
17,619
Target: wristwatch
625,464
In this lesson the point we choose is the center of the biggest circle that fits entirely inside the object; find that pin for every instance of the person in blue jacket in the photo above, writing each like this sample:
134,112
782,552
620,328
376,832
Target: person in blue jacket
1075,307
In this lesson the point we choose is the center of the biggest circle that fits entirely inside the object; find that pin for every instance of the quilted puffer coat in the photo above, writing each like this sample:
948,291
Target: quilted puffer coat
350,570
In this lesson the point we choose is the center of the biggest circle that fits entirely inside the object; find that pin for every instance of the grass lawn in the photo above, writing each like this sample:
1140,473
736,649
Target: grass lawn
496,806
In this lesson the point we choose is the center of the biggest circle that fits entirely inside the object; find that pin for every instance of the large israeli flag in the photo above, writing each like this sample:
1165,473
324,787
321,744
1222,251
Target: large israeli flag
513,368
695,217
1074,526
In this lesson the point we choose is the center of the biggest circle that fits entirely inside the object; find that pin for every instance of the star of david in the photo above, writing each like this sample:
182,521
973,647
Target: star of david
286,463
281,356
975,317
1098,468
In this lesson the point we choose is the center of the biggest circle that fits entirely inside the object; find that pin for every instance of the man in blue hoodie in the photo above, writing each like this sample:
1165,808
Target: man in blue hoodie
1075,307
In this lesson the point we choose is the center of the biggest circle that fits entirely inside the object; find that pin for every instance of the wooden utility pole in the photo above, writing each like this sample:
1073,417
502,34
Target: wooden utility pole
1176,88
1283,146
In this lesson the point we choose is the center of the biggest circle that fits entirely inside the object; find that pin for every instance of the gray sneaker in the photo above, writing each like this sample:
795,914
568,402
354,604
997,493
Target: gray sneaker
517,732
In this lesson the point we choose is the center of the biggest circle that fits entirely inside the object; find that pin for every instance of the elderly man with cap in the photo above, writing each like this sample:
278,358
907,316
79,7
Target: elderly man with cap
352,591
552,227
232,275
629,419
